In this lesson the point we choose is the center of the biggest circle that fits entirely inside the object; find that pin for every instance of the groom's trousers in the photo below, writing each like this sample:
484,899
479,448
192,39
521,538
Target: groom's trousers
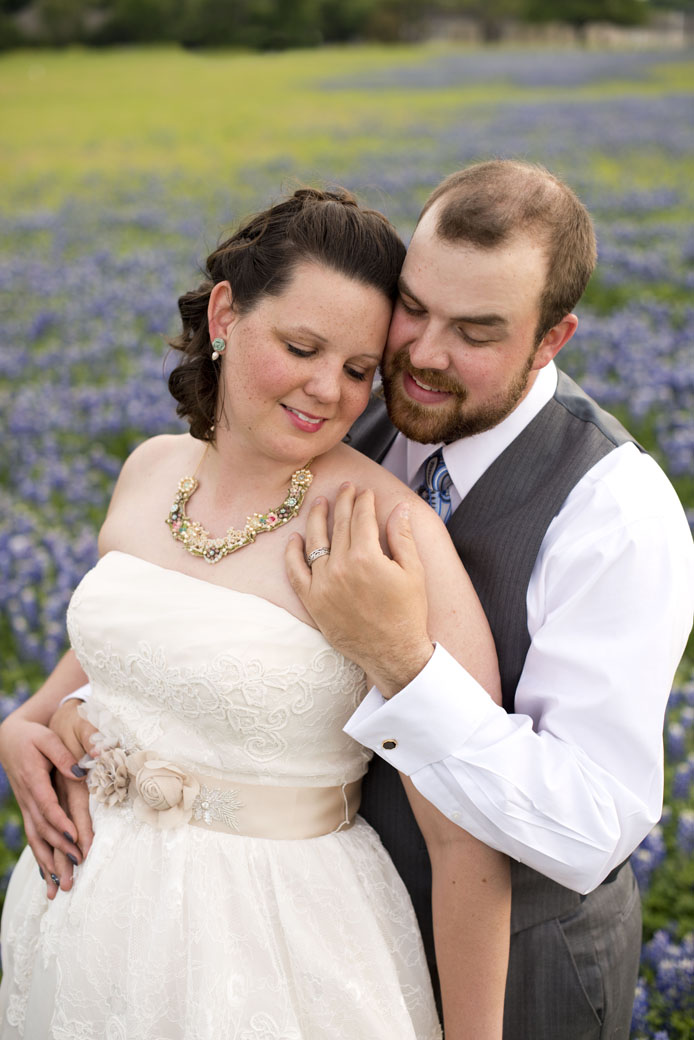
573,959
573,977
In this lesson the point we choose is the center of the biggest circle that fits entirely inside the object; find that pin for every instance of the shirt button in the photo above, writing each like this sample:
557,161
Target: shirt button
455,815
389,745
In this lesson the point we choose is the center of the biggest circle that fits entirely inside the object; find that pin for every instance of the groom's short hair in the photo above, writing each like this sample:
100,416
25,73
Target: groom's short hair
489,203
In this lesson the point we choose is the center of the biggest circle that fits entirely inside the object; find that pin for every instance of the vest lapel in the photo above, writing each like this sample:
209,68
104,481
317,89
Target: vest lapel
499,527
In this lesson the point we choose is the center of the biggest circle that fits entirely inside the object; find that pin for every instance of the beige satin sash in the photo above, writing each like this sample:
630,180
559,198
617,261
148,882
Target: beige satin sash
260,811
165,795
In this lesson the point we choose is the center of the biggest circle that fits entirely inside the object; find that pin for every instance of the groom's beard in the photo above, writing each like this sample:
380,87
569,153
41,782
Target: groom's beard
455,417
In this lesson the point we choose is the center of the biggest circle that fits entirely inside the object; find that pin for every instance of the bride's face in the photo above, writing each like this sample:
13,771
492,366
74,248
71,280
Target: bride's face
297,369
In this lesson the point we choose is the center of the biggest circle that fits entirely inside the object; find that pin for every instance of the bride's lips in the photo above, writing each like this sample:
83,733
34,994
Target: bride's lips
422,392
304,420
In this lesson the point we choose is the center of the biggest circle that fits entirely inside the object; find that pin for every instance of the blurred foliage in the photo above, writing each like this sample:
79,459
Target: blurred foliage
277,24
580,12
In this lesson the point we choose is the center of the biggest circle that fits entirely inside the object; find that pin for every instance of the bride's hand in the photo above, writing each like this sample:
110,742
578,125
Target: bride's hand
29,752
75,733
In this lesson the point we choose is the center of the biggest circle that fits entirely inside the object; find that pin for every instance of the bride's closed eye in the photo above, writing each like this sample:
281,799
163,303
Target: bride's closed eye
353,373
299,352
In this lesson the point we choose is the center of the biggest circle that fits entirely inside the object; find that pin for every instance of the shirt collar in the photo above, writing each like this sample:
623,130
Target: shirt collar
468,458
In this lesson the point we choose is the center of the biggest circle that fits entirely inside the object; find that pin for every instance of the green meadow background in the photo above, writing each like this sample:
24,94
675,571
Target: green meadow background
119,170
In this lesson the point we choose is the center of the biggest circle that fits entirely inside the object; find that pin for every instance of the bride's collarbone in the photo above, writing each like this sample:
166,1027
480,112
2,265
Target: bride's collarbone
257,568
136,525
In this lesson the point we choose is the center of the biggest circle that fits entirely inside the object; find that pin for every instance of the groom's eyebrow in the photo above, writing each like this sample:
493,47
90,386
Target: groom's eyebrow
493,320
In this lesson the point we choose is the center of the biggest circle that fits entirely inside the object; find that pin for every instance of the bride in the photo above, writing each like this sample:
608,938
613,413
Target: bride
231,890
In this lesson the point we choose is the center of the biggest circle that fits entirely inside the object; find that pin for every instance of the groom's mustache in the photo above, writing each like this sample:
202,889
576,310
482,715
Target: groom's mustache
400,362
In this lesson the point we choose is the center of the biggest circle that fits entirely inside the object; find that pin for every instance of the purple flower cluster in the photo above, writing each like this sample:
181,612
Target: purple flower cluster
683,779
673,965
541,68
649,855
655,253
638,360
678,816
639,1015
81,382
665,993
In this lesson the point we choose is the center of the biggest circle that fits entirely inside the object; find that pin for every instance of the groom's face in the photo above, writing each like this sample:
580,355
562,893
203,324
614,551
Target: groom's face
462,348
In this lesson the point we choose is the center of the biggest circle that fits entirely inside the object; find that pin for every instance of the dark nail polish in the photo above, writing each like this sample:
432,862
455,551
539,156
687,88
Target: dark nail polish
73,859
69,837
55,880
43,876
78,771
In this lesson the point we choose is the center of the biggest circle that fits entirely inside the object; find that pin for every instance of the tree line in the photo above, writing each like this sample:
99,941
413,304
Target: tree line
278,24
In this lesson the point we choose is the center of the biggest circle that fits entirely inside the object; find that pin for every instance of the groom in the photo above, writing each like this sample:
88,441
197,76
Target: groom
583,560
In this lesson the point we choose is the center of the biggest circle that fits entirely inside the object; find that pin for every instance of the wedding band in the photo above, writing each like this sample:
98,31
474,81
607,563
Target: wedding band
316,554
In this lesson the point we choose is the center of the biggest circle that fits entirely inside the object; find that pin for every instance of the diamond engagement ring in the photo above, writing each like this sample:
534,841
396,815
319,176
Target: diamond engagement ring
316,554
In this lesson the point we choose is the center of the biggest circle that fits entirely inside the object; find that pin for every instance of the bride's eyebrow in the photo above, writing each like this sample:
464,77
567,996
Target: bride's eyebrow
301,330
366,357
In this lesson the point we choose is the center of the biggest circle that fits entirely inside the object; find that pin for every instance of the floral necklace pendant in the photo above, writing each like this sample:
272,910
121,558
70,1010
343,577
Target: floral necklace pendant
193,536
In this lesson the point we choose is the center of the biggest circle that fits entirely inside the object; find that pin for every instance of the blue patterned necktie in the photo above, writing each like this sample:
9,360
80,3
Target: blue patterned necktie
436,489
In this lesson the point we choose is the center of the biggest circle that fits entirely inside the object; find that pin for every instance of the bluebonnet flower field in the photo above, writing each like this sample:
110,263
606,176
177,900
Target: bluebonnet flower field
123,169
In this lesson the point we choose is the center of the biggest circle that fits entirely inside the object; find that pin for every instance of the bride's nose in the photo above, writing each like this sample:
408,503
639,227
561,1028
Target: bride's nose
324,383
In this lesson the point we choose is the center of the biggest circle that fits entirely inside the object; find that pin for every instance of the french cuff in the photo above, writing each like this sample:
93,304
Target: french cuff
83,694
428,720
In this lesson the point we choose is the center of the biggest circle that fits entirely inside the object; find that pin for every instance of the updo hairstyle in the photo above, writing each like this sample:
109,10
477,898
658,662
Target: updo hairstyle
326,227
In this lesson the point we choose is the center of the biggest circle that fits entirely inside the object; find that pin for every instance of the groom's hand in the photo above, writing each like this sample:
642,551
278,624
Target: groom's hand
371,608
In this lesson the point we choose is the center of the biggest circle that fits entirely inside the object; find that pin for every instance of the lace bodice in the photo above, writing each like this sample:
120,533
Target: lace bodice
220,681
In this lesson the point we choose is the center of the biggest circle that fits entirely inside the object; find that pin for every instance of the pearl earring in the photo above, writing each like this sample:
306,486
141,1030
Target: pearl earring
218,347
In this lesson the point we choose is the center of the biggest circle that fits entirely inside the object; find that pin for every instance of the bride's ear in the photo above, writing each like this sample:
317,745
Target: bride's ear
220,311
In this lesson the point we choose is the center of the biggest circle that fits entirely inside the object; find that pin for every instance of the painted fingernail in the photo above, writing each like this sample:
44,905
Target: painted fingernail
69,837
78,771
55,879
73,859
43,876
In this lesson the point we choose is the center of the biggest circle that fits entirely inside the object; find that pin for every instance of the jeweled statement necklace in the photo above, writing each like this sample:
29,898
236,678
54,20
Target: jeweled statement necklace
193,536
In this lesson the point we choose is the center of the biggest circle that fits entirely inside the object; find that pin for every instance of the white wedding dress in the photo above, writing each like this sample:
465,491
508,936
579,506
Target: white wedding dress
191,933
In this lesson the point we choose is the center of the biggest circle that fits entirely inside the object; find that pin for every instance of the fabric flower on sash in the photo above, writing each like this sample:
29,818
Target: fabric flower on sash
164,794
109,777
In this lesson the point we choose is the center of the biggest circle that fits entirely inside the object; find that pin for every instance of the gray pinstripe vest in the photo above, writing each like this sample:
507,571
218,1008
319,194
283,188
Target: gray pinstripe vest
497,530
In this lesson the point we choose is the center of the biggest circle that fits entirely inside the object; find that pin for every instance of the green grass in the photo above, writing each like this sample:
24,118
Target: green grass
72,115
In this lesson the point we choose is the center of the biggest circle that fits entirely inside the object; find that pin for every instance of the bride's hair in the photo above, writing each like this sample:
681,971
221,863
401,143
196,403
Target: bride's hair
327,227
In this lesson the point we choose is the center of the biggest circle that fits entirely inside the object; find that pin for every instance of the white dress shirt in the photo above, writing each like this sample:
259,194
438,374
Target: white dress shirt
572,781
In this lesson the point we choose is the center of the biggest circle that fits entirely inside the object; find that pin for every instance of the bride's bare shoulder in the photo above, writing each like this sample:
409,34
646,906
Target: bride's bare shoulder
433,541
166,450
147,482
157,459
348,464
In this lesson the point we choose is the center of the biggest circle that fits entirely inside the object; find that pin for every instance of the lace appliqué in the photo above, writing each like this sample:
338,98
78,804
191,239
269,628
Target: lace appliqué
245,715
213,805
